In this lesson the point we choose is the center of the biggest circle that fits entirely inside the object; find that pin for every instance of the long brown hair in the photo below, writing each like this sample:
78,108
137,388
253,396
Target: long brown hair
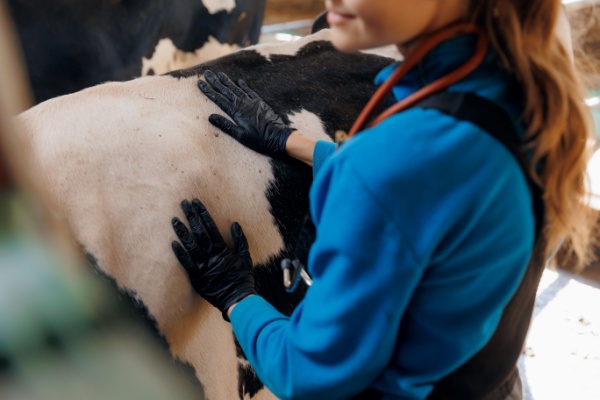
559,126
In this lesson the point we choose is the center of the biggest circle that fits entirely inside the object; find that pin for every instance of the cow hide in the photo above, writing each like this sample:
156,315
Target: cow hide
114,162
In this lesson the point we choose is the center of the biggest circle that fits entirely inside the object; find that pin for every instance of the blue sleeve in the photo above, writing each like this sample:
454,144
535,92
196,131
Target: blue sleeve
323,150
342,335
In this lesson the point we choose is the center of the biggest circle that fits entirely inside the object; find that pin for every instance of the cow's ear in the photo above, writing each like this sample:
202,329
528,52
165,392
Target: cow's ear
320,22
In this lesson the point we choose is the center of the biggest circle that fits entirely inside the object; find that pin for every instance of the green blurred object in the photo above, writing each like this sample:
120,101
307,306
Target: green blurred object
63,332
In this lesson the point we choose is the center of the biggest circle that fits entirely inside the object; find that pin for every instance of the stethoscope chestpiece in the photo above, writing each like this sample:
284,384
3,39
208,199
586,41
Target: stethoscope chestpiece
293,271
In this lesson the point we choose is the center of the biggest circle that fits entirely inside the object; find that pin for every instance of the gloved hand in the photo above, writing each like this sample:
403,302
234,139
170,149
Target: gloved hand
256,125
223,277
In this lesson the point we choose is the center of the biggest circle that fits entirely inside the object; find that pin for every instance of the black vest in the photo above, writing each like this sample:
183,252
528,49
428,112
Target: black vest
492,372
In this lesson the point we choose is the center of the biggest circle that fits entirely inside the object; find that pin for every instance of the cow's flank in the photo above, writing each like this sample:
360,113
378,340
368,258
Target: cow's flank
114,161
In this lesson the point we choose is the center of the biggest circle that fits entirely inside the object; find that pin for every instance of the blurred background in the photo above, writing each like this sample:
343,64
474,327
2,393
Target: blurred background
67,333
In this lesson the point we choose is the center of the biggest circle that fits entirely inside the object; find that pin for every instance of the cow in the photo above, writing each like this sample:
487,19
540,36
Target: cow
114,162
69,45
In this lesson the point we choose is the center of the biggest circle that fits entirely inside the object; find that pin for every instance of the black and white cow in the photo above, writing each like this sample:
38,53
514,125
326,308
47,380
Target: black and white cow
69,45
115,161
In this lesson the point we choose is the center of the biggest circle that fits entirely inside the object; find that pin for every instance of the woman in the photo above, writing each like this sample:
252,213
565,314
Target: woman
425,221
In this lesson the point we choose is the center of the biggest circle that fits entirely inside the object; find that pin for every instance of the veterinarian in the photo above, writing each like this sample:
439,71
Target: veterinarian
433,218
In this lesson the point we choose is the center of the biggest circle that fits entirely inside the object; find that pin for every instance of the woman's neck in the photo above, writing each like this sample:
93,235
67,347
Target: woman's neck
408,47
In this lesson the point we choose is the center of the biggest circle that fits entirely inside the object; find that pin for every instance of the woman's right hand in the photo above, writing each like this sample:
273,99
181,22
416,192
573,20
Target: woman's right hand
255,124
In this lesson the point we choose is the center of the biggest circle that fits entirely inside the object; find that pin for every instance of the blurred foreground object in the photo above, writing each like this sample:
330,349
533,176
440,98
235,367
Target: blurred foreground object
60,336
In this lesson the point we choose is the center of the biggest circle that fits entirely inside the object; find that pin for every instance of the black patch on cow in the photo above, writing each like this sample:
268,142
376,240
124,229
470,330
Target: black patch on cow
69,45
130,309
239,352
241,26
333,85
248,382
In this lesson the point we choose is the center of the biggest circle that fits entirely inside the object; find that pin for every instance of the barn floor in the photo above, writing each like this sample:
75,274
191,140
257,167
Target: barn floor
562,352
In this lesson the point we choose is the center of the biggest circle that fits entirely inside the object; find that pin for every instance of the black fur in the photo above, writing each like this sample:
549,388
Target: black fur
248,382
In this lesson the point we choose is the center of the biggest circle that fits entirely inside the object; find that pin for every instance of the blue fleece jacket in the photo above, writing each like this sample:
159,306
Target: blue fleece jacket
424,230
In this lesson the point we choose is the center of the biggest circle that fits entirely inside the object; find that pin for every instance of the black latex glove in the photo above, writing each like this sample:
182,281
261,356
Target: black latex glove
256,125
223,277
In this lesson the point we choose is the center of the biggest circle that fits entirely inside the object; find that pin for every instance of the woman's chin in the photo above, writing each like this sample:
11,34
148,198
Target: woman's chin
345,42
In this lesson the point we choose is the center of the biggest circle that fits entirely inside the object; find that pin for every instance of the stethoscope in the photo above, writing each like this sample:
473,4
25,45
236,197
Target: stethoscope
293,271
442,83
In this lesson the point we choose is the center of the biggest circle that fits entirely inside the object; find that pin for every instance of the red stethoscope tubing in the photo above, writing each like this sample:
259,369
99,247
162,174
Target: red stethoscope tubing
438,85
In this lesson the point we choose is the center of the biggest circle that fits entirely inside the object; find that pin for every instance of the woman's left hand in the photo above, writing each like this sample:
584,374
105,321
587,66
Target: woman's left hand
221,276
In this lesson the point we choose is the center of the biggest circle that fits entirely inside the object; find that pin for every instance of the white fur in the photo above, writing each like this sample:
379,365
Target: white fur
214,6
309,124
291,48
167,57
